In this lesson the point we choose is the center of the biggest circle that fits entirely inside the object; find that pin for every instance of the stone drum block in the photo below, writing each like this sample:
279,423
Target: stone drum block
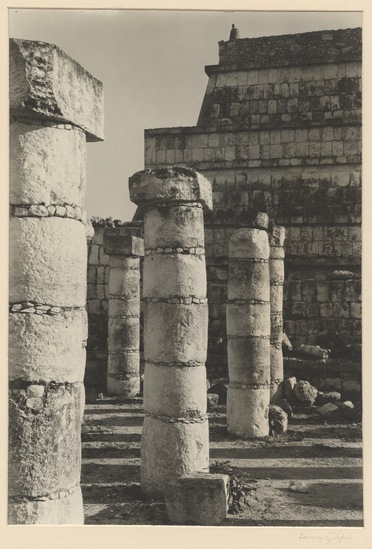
198,498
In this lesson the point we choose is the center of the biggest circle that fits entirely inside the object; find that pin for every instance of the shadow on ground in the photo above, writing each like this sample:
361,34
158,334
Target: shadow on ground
326,457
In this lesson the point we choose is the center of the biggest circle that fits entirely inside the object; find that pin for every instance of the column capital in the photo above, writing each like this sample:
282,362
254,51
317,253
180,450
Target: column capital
45,83
170,184
122,244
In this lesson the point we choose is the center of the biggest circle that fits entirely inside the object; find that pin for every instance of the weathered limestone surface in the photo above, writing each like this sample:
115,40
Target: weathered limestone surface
248,333
170,449
200,498
175,430
167,228
183,389
67,509
176,332
185,275
48,323
46,432
47,84
45,266
47,165
48,347
276,264
123,366
160,186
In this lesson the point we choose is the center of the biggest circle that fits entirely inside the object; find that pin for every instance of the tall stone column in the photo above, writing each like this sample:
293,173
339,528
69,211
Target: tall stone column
55,106
248,333
123,367
276,264
175,429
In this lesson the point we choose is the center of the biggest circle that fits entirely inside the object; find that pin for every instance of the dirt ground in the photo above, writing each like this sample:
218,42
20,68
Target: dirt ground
324,455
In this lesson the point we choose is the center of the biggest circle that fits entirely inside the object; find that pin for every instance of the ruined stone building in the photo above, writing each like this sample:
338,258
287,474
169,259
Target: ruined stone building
276,151
279,132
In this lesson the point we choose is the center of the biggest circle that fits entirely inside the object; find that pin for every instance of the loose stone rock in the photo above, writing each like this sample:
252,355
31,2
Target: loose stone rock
305,393
324,398
347,409
278,420
212,401
220,389
327,409
284,405
297,486
288,389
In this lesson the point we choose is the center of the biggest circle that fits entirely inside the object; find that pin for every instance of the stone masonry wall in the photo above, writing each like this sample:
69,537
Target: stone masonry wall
97,303
280,132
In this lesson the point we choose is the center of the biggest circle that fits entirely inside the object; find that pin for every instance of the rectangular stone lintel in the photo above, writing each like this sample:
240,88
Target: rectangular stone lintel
122,244
133,229
45,83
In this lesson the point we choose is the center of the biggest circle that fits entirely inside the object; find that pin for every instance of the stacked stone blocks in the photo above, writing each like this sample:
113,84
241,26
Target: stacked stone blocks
322,305
47,321
280,133
248,334
276,267
123,367
175,429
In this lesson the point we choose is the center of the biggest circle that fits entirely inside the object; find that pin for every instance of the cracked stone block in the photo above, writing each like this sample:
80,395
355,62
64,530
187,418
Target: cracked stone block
68,94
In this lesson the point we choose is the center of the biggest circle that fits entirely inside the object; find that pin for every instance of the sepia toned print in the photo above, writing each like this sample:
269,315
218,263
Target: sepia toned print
198,362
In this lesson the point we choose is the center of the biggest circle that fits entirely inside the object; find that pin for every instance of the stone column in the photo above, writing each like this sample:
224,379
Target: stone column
248,333
123,367
276,265
55,106
175,429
